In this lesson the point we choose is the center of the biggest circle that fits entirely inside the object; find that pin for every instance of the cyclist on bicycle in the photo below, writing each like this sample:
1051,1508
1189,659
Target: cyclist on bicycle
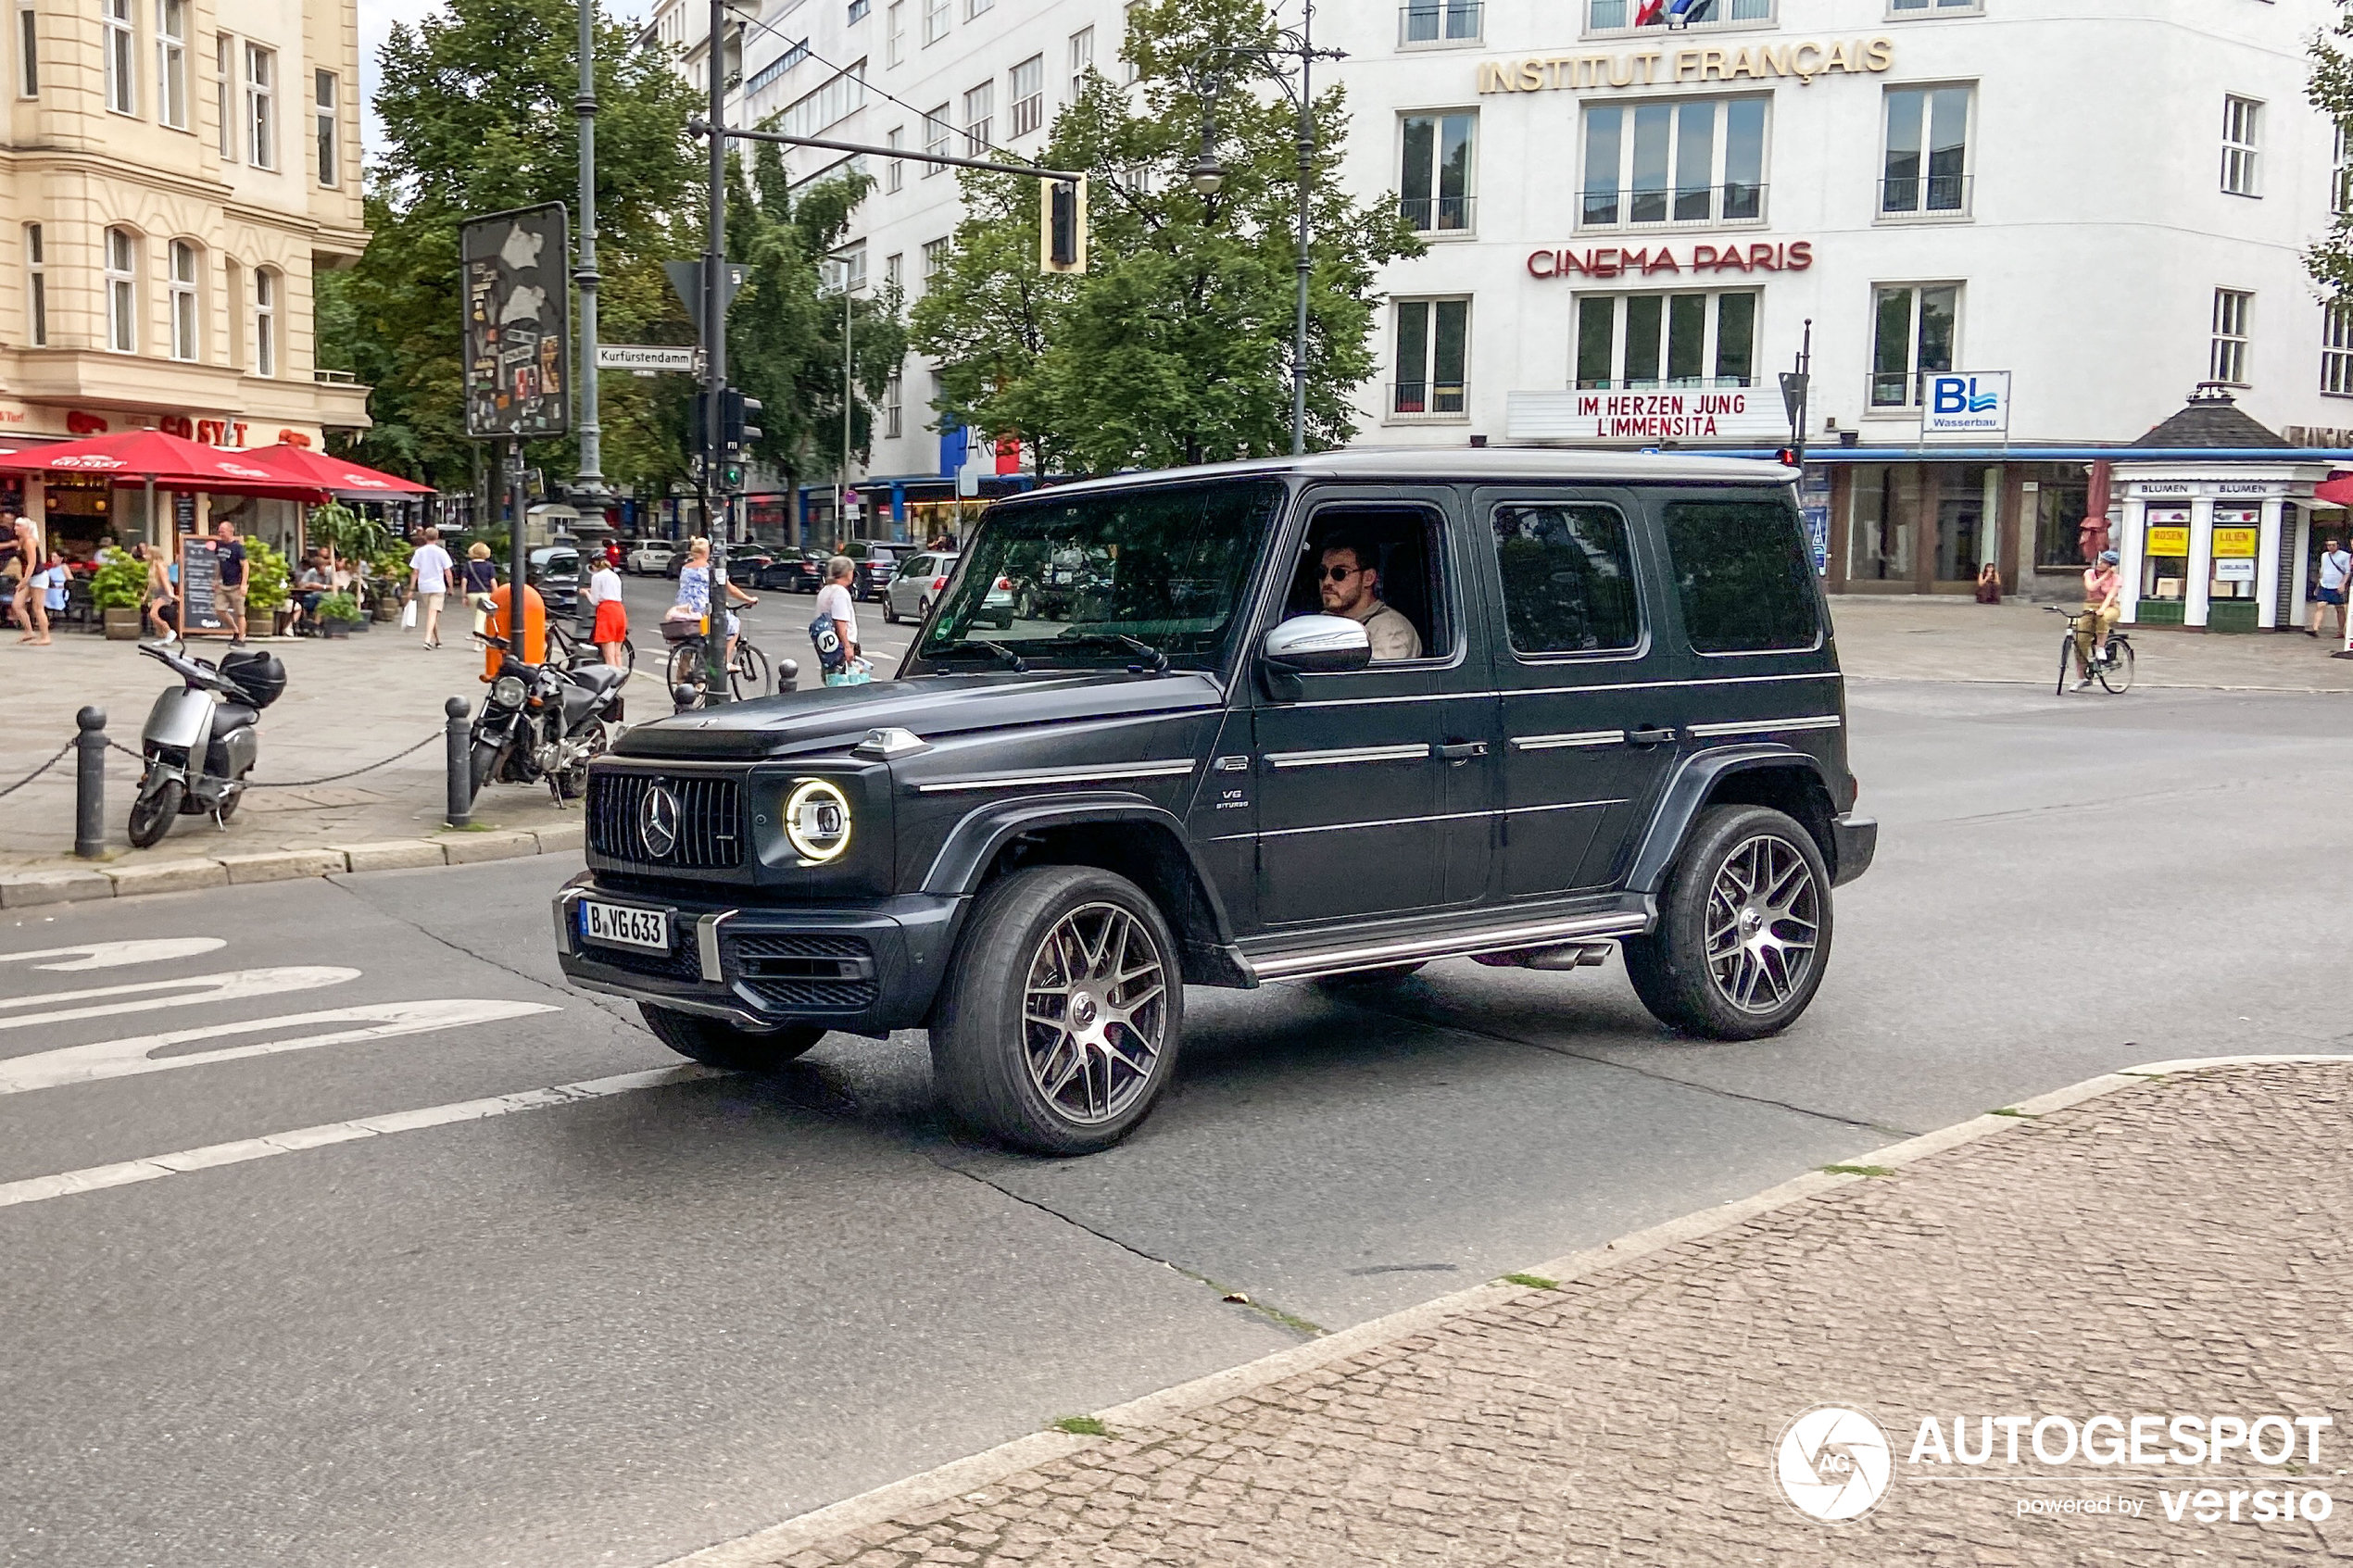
694,594
2102,598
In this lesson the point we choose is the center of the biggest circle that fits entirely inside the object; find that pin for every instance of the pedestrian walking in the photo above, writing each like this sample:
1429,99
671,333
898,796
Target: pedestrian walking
838,620
23,544
612,617
481,573
46,597
430,569
2336,571
229,595
160,592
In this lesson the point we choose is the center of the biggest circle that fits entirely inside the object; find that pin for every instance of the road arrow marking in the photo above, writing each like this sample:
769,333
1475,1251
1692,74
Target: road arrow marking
196,988
115,955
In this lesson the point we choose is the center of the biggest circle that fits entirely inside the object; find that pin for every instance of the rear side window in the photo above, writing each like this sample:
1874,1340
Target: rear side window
1569,578
1744,576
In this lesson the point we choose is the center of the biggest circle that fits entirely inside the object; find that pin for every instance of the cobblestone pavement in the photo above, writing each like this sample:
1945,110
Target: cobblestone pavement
2174,1246
1941,637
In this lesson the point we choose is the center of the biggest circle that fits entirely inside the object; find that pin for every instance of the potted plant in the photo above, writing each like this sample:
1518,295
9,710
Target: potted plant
387,580
339,613
117,589
266,580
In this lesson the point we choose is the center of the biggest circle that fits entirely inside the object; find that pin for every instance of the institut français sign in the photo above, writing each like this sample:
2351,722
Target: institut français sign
1801,63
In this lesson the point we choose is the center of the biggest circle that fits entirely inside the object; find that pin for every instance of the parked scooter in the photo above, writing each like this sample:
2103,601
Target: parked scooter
200,742
543,722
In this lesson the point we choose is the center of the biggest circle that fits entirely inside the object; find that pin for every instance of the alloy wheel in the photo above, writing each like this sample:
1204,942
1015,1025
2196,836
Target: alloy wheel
1764,920
1094,1013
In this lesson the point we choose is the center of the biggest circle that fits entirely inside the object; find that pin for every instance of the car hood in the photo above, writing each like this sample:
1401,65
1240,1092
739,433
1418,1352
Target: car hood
830,717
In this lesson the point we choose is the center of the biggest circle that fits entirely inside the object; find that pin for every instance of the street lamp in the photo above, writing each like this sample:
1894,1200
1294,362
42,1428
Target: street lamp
1207,175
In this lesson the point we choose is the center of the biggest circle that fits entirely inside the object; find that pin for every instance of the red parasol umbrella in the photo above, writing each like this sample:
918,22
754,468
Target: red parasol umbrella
303,466
2335,492
171,462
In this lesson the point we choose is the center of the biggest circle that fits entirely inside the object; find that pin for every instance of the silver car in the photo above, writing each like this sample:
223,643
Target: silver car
922,577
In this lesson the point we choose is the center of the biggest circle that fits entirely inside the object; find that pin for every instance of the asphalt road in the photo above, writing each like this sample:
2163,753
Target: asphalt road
778,626
578,1330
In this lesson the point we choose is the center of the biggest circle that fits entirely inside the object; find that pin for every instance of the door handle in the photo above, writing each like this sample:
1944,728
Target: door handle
1650,736
1462,751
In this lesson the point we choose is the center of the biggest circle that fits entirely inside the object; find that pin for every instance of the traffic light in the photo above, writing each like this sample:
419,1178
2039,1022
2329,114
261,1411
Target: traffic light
1061,225
736,414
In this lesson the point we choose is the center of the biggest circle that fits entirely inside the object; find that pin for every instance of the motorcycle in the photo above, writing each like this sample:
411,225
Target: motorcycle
200,742
542,722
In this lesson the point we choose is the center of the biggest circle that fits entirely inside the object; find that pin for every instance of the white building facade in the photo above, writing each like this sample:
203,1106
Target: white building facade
1631,224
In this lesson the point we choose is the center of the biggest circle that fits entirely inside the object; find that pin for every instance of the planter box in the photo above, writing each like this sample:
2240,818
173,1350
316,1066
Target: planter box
122,625
2160,612
2231,615
387,610
344,628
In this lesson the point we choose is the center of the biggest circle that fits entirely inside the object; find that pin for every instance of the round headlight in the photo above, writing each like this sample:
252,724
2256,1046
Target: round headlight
507,691
817,819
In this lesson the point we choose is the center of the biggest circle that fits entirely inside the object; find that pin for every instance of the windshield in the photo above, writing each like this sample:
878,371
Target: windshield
1089,576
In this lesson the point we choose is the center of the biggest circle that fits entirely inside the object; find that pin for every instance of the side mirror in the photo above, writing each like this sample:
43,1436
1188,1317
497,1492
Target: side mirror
1316,644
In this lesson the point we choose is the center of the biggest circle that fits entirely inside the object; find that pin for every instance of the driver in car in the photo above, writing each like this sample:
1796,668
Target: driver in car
1352,588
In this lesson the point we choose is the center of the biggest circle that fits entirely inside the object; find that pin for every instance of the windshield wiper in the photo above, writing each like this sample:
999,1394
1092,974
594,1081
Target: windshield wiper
997,650
1133,645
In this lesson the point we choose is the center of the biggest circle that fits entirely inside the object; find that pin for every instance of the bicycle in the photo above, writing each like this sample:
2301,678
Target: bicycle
746,673
569,646
2114,671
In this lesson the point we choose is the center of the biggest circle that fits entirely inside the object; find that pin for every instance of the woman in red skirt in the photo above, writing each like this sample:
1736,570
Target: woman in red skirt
612,617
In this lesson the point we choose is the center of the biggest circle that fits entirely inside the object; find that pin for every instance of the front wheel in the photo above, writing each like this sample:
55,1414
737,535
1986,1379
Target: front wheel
151,814
719,1044
1743,928
486,763
890,610
1058,1026
2117,674
749,676
2067,661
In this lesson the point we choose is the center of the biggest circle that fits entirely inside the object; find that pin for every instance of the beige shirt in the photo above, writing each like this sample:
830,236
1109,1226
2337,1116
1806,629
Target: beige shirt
1392,635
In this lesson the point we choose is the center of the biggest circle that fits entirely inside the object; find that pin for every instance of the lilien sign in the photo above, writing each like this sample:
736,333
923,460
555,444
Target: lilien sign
1612,261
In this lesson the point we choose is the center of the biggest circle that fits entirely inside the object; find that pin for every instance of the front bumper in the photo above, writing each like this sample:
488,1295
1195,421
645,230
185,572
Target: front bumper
867,968
1857,840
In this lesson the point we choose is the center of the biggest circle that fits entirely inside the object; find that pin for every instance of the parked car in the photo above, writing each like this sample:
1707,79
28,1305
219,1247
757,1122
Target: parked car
555,572
1608,711
651,558
797,572
876,572
923,577
747,561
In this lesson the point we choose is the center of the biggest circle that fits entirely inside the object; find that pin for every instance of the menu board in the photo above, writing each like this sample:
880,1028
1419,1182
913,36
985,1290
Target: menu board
183,511
199,579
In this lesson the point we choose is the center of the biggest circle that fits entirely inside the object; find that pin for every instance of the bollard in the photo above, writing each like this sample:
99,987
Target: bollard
787,675
90,784
461,769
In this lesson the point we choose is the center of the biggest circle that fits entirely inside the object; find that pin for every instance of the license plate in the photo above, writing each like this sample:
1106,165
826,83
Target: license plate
621,925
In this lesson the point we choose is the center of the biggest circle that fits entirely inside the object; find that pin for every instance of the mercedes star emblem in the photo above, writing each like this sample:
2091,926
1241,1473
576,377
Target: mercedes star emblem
657,822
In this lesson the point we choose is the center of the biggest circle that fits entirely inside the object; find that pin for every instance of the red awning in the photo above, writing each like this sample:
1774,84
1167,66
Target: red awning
173,462
338,474
2335,492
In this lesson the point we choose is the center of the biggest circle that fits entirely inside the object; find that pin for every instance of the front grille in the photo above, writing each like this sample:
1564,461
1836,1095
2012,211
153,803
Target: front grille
815,996
805,971
710,820
796,944
682,963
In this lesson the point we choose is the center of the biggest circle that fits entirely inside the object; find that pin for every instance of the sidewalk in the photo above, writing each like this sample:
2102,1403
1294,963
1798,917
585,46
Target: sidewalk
2173,1246
1948,637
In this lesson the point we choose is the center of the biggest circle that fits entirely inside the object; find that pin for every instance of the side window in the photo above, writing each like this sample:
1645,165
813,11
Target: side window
1569,578
1381,565
914,564
1743,574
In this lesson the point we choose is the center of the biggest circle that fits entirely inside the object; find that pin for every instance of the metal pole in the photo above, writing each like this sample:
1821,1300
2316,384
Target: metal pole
841,482
715,353
1306,263
506,498
590,479
459,751
90,783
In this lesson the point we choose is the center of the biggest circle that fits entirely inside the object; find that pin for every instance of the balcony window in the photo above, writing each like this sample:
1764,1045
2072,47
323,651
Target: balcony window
1926,168
1642,342
1433,346
1435,183
1914,326
1439,22
1697,162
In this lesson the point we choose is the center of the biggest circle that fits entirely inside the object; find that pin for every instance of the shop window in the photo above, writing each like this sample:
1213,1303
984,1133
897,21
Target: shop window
1926,168
1433,349
1878,531
1568,579
2059,509
2241,120
122,292
1639,341
1744,576
1913,332
2233,309
1027,89
1964,543
36,288
1701,161
2165,556
2232,566
1434,187
171,63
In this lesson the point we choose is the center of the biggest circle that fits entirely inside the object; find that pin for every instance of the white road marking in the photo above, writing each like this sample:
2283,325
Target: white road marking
115,955
122,1058
92,1178
196,988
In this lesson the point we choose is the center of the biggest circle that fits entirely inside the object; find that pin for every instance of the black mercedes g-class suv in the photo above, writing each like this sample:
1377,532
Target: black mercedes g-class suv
1618,717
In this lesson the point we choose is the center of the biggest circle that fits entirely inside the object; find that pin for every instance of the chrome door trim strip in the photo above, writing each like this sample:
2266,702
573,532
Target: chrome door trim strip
1345,756
1168,769
1769,726
1567,691
1564,806
1503,939
1577,738
1378,823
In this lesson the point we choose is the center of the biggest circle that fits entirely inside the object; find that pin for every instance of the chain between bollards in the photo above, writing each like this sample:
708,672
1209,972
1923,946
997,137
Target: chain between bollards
459,733
90,784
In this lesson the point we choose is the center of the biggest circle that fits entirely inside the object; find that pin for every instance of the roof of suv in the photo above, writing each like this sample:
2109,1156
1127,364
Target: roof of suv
1475,464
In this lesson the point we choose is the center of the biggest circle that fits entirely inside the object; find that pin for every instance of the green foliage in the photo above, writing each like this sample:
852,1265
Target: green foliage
1176,345
119,583
2330,260
265,575
336,527
390,562
476,103
338,607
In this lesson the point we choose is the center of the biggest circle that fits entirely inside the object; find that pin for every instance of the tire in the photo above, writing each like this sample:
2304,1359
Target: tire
1027,609
1738,988
2117,674
890,610
229,810
1002,1048
151,814
685,668
748,678
1367,979
486,763
2067,661
719,1044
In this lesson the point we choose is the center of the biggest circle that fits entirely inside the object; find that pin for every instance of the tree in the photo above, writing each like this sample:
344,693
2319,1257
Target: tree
2331,90
477,110
1176,345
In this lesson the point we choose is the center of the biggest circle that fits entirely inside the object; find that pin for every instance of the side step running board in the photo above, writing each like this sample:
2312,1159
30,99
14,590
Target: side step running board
1448,945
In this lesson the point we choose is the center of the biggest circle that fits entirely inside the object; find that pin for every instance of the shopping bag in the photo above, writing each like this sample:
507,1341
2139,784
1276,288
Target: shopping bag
409,616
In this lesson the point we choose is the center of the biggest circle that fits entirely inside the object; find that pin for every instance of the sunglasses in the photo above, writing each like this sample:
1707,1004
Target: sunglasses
1337,573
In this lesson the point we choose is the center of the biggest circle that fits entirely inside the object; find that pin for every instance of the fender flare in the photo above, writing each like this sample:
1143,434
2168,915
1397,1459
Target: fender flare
1688,791
973,842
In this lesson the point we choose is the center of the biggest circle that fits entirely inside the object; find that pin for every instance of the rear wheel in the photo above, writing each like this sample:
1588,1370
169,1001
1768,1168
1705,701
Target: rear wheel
890,610
1057,1029
232,798
2117,674
721,1045
686,666
151,814
1743,928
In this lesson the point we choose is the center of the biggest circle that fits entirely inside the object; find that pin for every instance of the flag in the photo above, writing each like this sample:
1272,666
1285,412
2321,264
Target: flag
1691,11
1653,12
